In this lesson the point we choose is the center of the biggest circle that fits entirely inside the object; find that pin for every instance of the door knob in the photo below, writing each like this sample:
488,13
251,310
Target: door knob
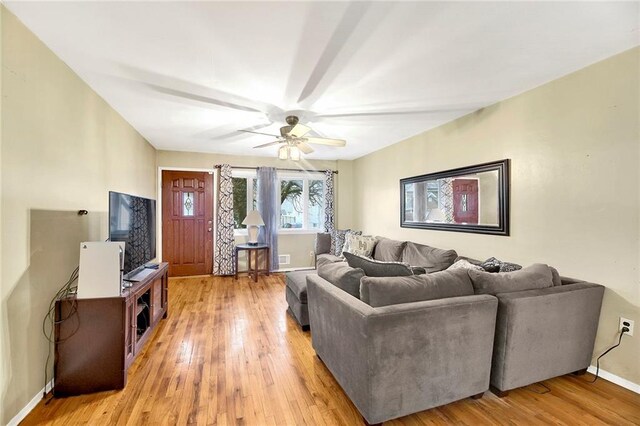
209,229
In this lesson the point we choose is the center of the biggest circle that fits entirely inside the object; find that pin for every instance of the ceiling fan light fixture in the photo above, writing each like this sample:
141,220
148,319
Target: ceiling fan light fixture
283,152
294,153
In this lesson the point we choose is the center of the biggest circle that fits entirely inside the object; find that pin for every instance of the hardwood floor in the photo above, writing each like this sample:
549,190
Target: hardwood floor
229,354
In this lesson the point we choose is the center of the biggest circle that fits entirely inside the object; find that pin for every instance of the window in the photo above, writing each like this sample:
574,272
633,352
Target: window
243,198
301,200
302,203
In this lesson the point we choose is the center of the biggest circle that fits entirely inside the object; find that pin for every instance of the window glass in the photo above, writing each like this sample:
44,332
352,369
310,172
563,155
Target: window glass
291,199
315,211
187,204
239,201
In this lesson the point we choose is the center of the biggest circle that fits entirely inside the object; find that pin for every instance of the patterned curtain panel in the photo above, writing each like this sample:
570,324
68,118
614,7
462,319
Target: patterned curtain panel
223,259
269,209
446,199
329,213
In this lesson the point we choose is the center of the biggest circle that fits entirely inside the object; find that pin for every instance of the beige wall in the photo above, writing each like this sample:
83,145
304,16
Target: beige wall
574,146
63,148
345,206
488,198
4,366
298,246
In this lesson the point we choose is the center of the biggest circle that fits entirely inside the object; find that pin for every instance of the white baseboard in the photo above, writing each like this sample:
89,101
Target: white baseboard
634,387
30,406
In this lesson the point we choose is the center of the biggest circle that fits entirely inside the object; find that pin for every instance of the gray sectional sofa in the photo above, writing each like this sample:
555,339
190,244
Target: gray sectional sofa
402,344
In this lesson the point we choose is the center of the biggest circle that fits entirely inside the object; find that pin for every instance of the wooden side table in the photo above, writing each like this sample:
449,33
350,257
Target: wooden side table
251,250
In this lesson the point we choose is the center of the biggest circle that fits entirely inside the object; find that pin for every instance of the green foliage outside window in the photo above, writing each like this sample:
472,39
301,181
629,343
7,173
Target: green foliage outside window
239,201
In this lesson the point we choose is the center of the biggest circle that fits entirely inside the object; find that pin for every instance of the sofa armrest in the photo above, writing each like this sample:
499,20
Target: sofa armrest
544,333
396,360
338,335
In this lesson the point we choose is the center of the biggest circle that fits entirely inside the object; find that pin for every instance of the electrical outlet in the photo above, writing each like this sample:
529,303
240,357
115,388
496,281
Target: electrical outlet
623,323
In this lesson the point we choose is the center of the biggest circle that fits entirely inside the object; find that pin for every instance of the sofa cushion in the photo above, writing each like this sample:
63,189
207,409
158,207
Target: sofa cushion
362,245
470,260
323,243
532,277
327,258
384,291
376,268
342,276
388,250
431,258
555,276
297,282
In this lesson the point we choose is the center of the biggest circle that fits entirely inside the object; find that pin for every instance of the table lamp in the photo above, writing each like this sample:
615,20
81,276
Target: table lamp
253,222
436,215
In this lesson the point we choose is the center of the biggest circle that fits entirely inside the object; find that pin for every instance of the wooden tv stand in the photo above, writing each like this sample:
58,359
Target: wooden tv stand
98,339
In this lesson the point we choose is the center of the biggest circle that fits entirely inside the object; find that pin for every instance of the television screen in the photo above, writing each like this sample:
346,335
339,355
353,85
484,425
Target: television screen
133,220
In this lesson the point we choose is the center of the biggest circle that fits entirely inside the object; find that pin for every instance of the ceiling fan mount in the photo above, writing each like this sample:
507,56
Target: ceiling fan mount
294,139
292,120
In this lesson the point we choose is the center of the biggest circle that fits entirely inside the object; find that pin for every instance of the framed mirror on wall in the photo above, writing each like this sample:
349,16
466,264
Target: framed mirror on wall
468,199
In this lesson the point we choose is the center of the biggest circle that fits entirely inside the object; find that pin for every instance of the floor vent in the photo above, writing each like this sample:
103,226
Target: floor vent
284,259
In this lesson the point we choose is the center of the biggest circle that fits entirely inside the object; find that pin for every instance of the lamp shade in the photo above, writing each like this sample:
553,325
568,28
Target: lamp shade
436,215
253,218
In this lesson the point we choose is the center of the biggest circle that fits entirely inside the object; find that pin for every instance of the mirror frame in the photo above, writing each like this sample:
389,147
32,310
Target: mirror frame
501,166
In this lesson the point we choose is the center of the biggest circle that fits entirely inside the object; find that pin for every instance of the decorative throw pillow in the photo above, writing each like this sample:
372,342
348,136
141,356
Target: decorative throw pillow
491,265
495,265
341,239
464,264
377,268
509,267
362,245
337,240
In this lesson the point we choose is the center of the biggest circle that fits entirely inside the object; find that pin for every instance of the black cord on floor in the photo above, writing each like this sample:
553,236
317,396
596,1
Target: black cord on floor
624,330
49,322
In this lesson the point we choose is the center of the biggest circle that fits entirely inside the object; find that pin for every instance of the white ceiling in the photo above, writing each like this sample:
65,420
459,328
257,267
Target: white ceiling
188,75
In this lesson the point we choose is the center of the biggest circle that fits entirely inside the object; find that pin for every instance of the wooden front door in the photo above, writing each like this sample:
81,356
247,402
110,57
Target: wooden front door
187,222
465,200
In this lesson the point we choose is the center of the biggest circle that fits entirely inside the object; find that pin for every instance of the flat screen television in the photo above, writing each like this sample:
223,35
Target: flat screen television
133,220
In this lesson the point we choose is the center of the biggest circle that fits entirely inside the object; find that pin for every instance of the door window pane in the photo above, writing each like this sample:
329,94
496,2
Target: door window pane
188,204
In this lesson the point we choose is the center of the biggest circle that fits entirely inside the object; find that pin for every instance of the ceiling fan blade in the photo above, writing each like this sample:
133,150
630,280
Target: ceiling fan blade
305,148
258,133
200,98
233,133
264,145
324,141
441,110
299,130
188,91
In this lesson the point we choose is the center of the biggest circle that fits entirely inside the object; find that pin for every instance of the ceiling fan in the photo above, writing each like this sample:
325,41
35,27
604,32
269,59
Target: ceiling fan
293,140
